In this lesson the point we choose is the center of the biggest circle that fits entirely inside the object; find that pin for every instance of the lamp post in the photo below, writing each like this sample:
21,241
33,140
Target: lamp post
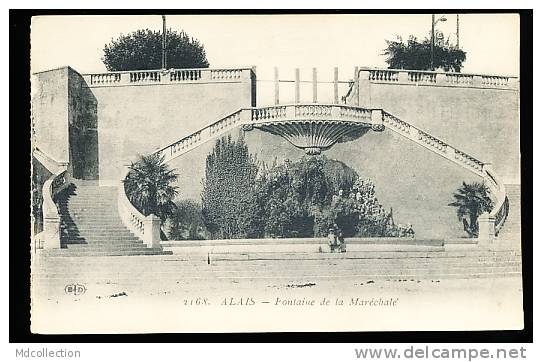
457,32
433,23
164,62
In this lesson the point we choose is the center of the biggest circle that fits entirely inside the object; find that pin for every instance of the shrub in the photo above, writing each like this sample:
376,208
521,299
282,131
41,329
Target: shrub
186,222
471,200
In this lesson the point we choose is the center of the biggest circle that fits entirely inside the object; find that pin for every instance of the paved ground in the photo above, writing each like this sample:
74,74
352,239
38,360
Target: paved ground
140,295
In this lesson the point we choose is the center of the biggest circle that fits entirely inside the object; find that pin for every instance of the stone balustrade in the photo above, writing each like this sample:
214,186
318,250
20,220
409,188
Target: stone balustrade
168,76
312,110
185,75
225,123
268,113
145,77
467,160
500,210
422,77
49,238
250,117
147,228
383,75
460,79
444,79
434,144
105,78
396,124
226,74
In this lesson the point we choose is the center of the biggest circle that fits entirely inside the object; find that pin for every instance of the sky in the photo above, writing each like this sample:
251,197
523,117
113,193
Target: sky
284,41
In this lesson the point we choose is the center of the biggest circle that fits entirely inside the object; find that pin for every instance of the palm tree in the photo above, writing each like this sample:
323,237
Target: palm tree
149,186
471,201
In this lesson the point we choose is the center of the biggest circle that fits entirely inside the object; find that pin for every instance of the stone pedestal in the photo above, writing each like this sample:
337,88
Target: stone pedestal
151,237
51,233
377,118
486,229
402,77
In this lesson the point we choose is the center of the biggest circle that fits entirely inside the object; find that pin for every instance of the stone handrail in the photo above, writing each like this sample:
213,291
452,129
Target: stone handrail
50,236
500,210
147,228
434,78
168,76
55,167
434,144
258,115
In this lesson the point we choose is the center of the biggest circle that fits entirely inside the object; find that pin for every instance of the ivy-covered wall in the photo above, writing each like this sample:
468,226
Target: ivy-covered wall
83,128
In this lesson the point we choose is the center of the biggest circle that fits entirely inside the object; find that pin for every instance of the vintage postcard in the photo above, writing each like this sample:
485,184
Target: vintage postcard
268,172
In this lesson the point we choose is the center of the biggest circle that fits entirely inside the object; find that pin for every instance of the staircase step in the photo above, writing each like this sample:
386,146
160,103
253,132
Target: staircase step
103,238
96,229
91,224
106,247
75,253
93,217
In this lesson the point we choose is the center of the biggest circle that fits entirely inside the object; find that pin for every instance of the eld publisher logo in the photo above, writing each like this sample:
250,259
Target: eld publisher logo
75,289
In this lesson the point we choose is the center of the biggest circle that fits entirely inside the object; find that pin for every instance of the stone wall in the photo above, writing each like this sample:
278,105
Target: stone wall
137,119
50,113
83,128
479,116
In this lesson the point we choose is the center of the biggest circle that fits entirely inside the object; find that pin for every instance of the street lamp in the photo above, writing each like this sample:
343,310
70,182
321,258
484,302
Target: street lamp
164,34
433,23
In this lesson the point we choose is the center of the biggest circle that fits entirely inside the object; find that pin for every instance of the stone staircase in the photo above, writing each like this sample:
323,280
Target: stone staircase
511,230
91,225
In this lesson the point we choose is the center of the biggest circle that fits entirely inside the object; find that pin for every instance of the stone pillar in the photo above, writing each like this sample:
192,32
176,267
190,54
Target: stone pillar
51,232
297,95
402,77
151,237
477,81
165,76
359,90
377,118
336,85
277,85
314,86
486,228
513,83
440,78
125,78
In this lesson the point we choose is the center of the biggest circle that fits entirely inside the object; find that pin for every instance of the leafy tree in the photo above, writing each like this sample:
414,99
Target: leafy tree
229,202
416,55
306,197
186,222
142,49
293,195
471,200
149,186
294,199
